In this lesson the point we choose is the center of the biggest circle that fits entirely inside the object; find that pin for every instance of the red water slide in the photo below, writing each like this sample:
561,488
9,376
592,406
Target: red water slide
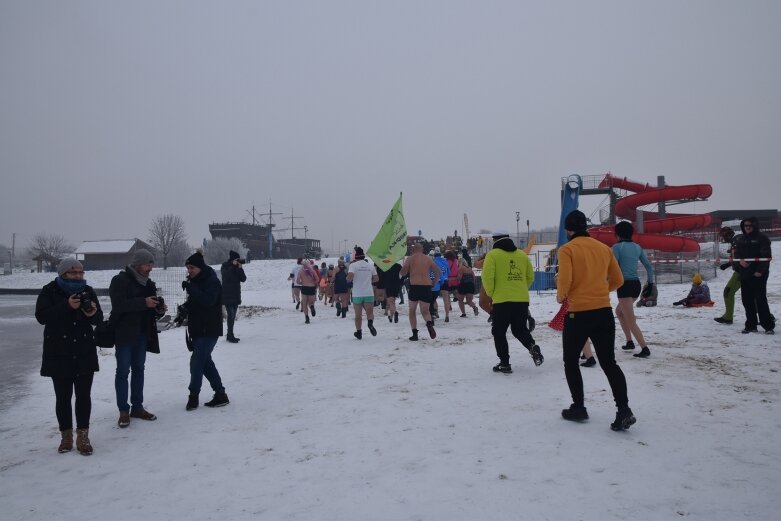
653,226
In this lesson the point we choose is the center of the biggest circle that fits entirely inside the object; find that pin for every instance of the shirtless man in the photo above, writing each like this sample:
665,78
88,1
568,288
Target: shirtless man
417,266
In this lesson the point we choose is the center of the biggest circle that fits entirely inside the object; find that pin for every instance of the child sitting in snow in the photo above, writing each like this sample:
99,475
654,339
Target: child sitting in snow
699,294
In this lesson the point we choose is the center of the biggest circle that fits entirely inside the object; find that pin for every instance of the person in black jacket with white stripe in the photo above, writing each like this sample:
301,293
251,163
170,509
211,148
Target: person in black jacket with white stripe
204,327
68,308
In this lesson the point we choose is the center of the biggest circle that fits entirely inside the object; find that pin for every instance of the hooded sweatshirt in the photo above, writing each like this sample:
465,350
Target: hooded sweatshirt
507,273
752,245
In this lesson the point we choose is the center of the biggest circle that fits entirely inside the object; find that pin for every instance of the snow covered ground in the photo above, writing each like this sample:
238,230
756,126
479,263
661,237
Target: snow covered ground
324,426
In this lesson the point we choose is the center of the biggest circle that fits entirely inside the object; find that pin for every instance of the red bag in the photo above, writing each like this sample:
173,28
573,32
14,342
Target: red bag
558,321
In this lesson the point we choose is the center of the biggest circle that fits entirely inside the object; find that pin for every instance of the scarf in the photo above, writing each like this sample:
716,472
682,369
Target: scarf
71,287
141,279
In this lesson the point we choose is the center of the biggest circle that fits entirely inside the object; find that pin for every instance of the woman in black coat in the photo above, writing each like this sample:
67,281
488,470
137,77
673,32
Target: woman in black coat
68,308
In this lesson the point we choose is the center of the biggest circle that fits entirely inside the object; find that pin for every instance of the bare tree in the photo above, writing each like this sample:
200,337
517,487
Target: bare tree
165,232
50,248
216,250
179,253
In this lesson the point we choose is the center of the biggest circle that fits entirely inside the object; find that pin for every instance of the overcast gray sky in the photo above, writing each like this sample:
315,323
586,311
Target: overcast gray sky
112,113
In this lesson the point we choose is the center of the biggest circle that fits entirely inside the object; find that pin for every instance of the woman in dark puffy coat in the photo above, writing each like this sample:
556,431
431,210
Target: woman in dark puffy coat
68,308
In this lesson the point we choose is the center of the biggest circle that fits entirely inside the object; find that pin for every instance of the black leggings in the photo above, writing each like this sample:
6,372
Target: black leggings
600,326
63,390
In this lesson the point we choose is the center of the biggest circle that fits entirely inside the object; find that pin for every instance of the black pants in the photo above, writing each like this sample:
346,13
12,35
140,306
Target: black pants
230,311
600,326
63,390
513,315
753,294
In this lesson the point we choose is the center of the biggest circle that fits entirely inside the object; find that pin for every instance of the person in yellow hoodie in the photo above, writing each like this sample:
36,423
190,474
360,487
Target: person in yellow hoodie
507,276
588,272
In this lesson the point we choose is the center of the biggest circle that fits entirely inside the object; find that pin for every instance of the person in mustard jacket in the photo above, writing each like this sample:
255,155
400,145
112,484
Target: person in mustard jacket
588,272
507,276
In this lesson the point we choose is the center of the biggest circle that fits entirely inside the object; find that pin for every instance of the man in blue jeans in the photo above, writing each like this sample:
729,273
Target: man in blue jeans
134,310
204,327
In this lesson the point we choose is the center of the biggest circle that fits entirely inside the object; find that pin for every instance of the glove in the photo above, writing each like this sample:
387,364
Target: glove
724,266
648,290
185,285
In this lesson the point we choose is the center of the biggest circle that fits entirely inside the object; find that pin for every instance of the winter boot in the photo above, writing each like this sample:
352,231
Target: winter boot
628,346
395,317
232,339
575,413
624,419
306,321
430,327
124,419
414,336
82,442
474,308
358,334
371,328
312,309
338,308
142,414
722,320
590,362
192,402
66,444
644,353
344,311
220,399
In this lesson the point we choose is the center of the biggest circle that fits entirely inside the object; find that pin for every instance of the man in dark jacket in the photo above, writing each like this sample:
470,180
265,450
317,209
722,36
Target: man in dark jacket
68,308
204,327
232,276
750,247
134,310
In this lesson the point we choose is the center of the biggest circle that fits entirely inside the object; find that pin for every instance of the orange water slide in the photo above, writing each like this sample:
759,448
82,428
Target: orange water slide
653,225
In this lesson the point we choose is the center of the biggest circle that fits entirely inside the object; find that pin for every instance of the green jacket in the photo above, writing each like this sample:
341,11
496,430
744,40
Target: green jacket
507,276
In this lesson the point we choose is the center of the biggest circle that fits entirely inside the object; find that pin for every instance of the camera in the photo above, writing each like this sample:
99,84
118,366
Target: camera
242,261
182,311
160,307
85,302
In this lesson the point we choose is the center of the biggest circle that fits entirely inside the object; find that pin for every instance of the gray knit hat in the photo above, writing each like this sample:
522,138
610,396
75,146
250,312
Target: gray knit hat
141,256
68,264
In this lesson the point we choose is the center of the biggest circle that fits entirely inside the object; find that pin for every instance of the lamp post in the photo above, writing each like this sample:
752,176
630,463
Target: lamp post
528,234
518,229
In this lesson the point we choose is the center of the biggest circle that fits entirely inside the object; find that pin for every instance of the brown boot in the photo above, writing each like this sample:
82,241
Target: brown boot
124,419
142,414
66,444
82,442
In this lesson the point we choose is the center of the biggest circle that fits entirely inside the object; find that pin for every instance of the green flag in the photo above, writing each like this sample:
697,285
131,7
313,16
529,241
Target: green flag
390,244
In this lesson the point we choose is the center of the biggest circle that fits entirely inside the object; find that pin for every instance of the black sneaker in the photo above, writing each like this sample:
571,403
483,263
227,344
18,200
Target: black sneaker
628,346
232,339
220,399
590,362
338,308
307,320
536,355
395,317
575,413
297,304
312,309
748,330
722,320
372,330
414,336
463,315
503,368
644,353
447,318
770,332
624,420
192,402
358,334
390,319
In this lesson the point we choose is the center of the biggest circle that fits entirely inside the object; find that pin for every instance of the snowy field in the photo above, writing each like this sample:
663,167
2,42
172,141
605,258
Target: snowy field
324,426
